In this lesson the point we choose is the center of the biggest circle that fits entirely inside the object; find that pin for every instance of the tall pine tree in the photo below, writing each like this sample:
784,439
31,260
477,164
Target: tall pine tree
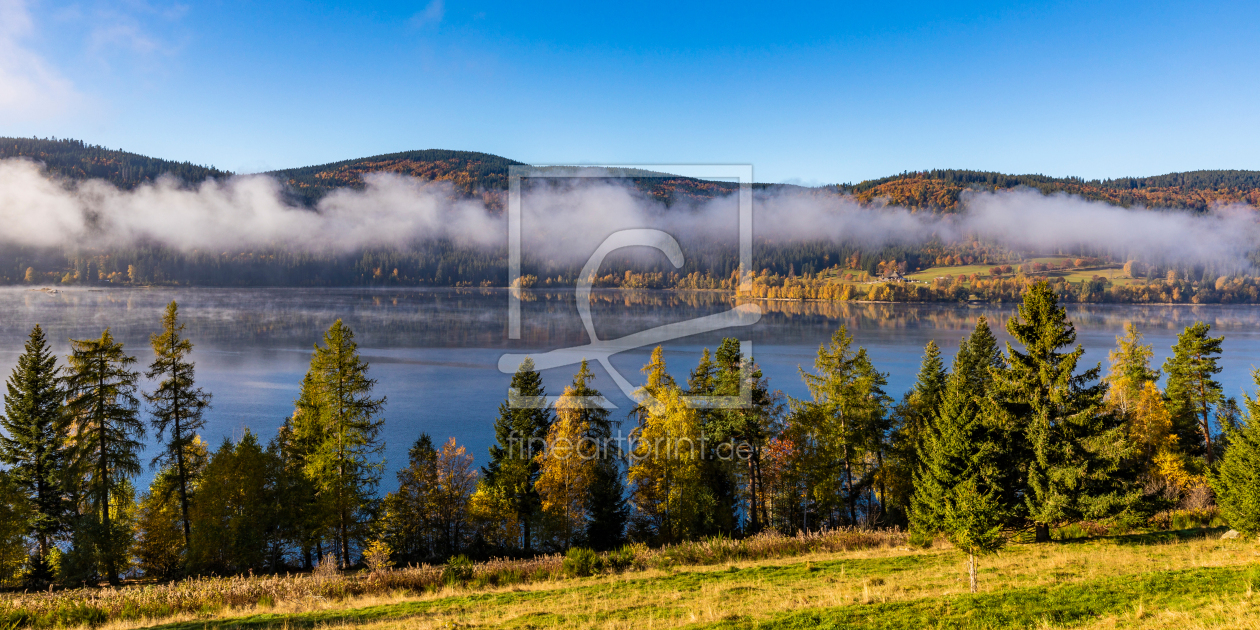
34,444
1192,390
177,404
101,400
340,422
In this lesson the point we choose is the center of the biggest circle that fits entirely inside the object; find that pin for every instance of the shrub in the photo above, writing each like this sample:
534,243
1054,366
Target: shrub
376,557
623,558
580,562
458,570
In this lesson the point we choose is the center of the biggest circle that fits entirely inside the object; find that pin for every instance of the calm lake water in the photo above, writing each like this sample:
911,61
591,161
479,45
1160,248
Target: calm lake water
435,352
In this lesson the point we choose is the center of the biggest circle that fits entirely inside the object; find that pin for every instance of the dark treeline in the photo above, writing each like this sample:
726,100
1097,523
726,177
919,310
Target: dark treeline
997,444
75,159
818,270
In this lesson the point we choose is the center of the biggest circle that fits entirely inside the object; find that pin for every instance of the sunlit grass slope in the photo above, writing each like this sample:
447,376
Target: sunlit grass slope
1186,580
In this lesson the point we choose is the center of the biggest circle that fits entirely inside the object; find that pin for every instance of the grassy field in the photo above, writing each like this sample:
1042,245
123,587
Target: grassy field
1114,273
1184,580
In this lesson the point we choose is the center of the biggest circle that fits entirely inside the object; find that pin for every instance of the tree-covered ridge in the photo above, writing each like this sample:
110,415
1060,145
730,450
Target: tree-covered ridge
75,159
941,189
468,171
486,176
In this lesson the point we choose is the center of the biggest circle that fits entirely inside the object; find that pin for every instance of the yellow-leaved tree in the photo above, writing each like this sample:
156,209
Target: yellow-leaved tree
567,468
665,475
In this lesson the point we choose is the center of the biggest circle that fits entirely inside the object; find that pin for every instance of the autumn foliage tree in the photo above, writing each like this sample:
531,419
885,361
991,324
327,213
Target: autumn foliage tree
567,466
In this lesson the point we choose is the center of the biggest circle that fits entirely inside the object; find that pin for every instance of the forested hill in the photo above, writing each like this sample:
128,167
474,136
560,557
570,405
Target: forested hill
470,172
940,190
486,176
76,159
474,174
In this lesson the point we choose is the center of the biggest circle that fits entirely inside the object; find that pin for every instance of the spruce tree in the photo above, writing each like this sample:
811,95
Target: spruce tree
1237,477
921,403
409,523
720,378
981,360
101,400
973,521
955,448
1192,391
177,405
520,432
1066,447
34,444
339,421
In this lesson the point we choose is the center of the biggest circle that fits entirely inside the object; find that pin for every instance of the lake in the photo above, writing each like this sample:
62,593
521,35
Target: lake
435,352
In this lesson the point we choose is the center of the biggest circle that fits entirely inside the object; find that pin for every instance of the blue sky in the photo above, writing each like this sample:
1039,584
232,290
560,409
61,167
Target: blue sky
808,94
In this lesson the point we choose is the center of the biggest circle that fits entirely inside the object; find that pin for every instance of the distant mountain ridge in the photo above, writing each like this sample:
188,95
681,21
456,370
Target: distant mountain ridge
942,189
485,175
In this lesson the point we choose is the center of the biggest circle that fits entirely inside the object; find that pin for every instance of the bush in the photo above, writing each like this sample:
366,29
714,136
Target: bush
580,562
376,557
458,570
623,558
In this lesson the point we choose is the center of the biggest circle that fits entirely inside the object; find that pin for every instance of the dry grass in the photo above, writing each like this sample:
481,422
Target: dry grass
203,598
760,590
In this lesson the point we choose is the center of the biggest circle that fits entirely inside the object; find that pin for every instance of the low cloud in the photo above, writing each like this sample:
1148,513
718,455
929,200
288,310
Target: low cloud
566,221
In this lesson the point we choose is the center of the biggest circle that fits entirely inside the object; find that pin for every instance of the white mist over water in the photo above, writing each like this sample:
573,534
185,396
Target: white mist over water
252,211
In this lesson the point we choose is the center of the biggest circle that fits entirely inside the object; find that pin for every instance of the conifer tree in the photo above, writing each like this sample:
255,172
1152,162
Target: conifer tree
520,432
1237,478
34,444
703,379
339,421
973,521
1192,390
746,426
1070,452
160,543
101,400
177,405
955,449
919,406
410,518
980,359
913,417
848,415
926,394
297,440
238,509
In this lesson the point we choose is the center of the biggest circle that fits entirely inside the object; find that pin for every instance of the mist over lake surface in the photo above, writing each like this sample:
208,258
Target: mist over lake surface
435,352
